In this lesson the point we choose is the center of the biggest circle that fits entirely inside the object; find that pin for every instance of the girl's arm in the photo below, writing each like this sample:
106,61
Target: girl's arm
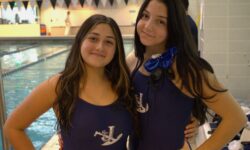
233,118
35,104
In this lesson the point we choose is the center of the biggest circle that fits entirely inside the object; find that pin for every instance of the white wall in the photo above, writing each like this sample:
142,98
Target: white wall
124,15
227,43
18,30
194,9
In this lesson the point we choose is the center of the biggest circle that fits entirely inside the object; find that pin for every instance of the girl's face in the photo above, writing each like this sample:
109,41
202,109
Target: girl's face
152,27
98,46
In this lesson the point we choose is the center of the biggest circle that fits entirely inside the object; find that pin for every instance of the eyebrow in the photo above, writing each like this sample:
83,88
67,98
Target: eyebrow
97,34
164,17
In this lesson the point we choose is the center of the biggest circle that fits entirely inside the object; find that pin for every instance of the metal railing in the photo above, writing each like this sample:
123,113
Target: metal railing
6,145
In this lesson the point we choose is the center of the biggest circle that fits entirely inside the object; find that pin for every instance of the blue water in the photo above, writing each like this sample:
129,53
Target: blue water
19,84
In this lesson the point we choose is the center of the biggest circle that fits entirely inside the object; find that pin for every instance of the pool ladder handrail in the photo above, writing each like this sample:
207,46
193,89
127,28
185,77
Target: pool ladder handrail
5,143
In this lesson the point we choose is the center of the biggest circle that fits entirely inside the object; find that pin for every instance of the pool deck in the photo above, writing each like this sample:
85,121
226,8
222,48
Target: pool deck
52,143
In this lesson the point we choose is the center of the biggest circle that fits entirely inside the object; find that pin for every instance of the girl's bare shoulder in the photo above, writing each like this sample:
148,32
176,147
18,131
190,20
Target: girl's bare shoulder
131,60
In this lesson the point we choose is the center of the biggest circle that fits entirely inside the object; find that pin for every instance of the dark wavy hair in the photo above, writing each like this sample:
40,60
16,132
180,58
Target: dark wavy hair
190,67
117,72
185,3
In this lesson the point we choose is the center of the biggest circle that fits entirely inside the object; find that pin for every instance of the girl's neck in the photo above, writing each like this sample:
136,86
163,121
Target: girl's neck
94,76
149,51
96,88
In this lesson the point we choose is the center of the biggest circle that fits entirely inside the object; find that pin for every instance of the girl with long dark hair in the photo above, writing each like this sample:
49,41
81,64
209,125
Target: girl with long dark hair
173,82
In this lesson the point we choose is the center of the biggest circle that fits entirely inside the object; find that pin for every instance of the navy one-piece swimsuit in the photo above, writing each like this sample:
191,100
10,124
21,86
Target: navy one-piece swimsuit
98,127
164,113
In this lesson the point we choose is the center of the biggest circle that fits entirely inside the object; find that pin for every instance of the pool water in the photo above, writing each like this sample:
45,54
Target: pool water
19,84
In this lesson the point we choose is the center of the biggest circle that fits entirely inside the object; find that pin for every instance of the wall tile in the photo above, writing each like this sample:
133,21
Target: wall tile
216,2
227,43
216,58
215,34
239,82
216,22
239,22
238,1
216,46
239,9
242,46
239,70
216,10
239,34
238,58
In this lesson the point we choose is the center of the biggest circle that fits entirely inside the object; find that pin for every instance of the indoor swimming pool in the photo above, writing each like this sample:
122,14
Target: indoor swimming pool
18,84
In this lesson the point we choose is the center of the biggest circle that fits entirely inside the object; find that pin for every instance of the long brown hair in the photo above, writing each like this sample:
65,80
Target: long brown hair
116,71
190,67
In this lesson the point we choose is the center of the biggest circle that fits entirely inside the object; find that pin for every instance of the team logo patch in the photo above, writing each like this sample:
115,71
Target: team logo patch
108,136
140,107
